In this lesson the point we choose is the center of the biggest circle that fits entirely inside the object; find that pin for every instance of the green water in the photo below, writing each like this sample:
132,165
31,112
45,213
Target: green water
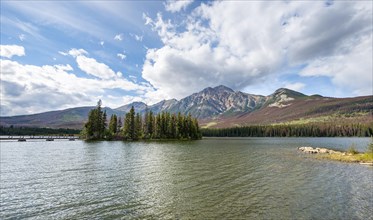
252,178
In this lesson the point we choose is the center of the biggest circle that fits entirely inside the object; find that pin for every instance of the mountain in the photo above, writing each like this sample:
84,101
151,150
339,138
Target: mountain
139,106
165,105
68,118
302,110
218,101
223,107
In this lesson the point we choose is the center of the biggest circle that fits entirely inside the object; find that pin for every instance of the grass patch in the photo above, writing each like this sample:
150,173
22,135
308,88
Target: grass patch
352,158
210,124
352,150
322,119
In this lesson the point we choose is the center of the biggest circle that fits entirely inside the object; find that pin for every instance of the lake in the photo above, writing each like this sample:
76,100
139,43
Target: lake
239,178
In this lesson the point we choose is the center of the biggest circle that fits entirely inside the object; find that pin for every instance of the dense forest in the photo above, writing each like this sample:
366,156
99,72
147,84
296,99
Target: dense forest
136,126
36,131
306,130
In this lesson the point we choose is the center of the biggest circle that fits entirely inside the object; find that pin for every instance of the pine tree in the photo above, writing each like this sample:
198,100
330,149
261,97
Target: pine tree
138,127
173,126
126,126
150,124
103,125
145,124
113,124
119,124
132,128
95,125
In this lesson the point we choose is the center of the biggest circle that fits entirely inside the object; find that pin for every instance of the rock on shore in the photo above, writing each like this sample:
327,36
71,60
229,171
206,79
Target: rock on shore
318,150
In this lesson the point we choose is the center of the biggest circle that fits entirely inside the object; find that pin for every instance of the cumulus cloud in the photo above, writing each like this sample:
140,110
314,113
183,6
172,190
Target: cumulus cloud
118,37
94,68
90,65
11,50
26,89
351,71
77,52
242,43
177,5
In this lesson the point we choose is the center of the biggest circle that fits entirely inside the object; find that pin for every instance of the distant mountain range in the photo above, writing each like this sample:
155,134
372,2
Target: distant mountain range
222,107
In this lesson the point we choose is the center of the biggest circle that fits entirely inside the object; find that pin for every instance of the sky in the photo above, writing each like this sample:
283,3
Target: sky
63,54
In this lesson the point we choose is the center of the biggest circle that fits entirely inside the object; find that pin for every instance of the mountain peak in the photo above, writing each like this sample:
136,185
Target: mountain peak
288,92
223,88
137,105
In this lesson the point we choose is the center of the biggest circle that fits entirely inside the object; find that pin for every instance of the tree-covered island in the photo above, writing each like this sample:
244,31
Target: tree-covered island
136,126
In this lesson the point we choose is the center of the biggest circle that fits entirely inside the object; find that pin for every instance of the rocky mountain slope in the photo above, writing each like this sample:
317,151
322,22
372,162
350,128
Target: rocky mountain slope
221,107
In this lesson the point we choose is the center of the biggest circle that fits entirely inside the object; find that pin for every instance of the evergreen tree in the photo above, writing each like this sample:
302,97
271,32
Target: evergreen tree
94,126
119,124
113,124
132,127
162,125
173,126
138,127
103,124
150,124
145,124
126,126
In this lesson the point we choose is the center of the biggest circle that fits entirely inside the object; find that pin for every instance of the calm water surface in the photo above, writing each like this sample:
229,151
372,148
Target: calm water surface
253,178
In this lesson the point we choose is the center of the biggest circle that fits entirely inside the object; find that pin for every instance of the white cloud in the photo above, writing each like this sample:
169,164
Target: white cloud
21,37
27,89
298,86
239,44
102,43
121,56
94,68
11,50
351,71
177,5
118,37
77,52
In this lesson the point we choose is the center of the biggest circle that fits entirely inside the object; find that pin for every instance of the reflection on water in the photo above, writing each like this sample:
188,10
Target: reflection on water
263,178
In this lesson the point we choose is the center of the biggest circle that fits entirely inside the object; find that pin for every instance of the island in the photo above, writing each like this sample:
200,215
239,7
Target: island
136,126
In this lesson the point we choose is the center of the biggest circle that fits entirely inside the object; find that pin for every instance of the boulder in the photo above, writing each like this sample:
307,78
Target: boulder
316,150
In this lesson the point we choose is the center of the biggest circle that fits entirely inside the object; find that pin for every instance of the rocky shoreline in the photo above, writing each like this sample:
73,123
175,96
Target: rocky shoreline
325,153
318,150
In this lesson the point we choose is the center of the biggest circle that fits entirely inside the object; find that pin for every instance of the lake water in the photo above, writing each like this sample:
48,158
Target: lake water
251,178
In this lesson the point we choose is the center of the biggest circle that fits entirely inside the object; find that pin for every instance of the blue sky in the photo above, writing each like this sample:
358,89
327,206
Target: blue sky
60,54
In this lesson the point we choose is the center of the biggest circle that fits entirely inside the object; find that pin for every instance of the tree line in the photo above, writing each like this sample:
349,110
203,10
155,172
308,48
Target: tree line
306,130
12,130
136,126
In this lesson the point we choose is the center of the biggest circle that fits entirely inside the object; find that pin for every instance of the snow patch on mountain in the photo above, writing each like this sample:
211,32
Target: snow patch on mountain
280,102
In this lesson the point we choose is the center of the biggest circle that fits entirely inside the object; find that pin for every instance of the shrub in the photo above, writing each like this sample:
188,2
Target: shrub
352,150
370,148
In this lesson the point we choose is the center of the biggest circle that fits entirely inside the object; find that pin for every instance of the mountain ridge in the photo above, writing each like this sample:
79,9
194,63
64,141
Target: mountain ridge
218,106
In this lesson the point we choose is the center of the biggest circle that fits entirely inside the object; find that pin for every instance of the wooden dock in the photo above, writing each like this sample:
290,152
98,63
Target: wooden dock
34,137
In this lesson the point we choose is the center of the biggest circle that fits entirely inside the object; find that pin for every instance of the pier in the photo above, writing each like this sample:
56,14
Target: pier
39,137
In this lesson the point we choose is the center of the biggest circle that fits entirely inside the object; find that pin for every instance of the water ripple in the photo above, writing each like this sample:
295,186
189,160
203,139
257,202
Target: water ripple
209,179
